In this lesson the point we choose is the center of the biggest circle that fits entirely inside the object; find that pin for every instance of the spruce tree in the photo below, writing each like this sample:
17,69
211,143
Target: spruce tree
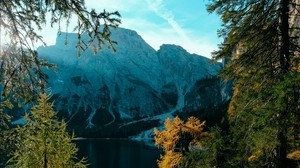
262,40
44,141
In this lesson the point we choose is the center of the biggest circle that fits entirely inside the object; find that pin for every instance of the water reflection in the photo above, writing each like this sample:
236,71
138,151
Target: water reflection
103,153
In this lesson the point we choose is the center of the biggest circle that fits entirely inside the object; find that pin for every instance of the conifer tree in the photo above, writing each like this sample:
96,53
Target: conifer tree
209,155
175,134
44,141
261,37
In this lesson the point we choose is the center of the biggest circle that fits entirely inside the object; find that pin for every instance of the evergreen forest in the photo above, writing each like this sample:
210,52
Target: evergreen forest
261,57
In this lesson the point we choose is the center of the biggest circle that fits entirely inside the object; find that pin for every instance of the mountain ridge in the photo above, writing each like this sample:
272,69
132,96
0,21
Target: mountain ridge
135,82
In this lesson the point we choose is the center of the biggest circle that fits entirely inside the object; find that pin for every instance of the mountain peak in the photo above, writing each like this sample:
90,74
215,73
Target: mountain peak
172,47
120,35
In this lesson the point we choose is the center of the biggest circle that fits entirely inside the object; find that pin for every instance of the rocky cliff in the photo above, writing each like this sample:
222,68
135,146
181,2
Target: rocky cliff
133,89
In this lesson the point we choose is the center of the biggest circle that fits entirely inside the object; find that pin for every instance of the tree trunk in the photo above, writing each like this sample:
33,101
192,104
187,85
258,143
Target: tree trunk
284,43
284,57
45,160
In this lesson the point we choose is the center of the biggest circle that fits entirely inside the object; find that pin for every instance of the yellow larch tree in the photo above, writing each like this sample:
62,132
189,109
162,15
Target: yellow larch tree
172,135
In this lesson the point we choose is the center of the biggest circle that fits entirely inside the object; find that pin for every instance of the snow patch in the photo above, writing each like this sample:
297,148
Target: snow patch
125,116
90,118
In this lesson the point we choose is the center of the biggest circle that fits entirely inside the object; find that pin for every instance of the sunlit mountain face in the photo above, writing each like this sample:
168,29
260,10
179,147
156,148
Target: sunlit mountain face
134,89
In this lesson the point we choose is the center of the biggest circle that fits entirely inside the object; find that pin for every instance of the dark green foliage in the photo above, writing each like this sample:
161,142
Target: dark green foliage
7,145
262,41
215,94
212,154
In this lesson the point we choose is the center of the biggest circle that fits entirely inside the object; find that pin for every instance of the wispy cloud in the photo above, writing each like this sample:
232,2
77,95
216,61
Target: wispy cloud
156,34
157,24
158,8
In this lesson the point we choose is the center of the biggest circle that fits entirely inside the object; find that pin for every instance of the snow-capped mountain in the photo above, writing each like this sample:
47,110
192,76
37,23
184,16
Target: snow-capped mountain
112,90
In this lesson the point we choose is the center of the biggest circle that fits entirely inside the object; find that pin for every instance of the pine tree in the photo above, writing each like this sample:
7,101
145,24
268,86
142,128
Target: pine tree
262,41
211,153
44,141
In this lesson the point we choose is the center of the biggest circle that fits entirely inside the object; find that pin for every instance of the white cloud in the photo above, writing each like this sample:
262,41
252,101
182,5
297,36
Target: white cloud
158,7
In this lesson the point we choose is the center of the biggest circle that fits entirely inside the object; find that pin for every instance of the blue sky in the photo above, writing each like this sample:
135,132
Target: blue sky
181,22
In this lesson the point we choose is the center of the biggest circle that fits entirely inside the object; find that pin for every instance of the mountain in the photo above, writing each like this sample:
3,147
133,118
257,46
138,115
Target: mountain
133,89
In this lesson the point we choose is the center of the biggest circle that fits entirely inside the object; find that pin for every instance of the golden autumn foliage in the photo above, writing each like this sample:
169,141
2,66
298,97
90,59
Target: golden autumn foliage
232,105
194,125
255,156
170,159
294,155
170,137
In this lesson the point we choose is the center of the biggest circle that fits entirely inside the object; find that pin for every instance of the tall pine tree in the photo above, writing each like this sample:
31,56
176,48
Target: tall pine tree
262,41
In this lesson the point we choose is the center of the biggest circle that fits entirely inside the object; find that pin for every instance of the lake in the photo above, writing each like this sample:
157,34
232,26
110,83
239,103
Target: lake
116,153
